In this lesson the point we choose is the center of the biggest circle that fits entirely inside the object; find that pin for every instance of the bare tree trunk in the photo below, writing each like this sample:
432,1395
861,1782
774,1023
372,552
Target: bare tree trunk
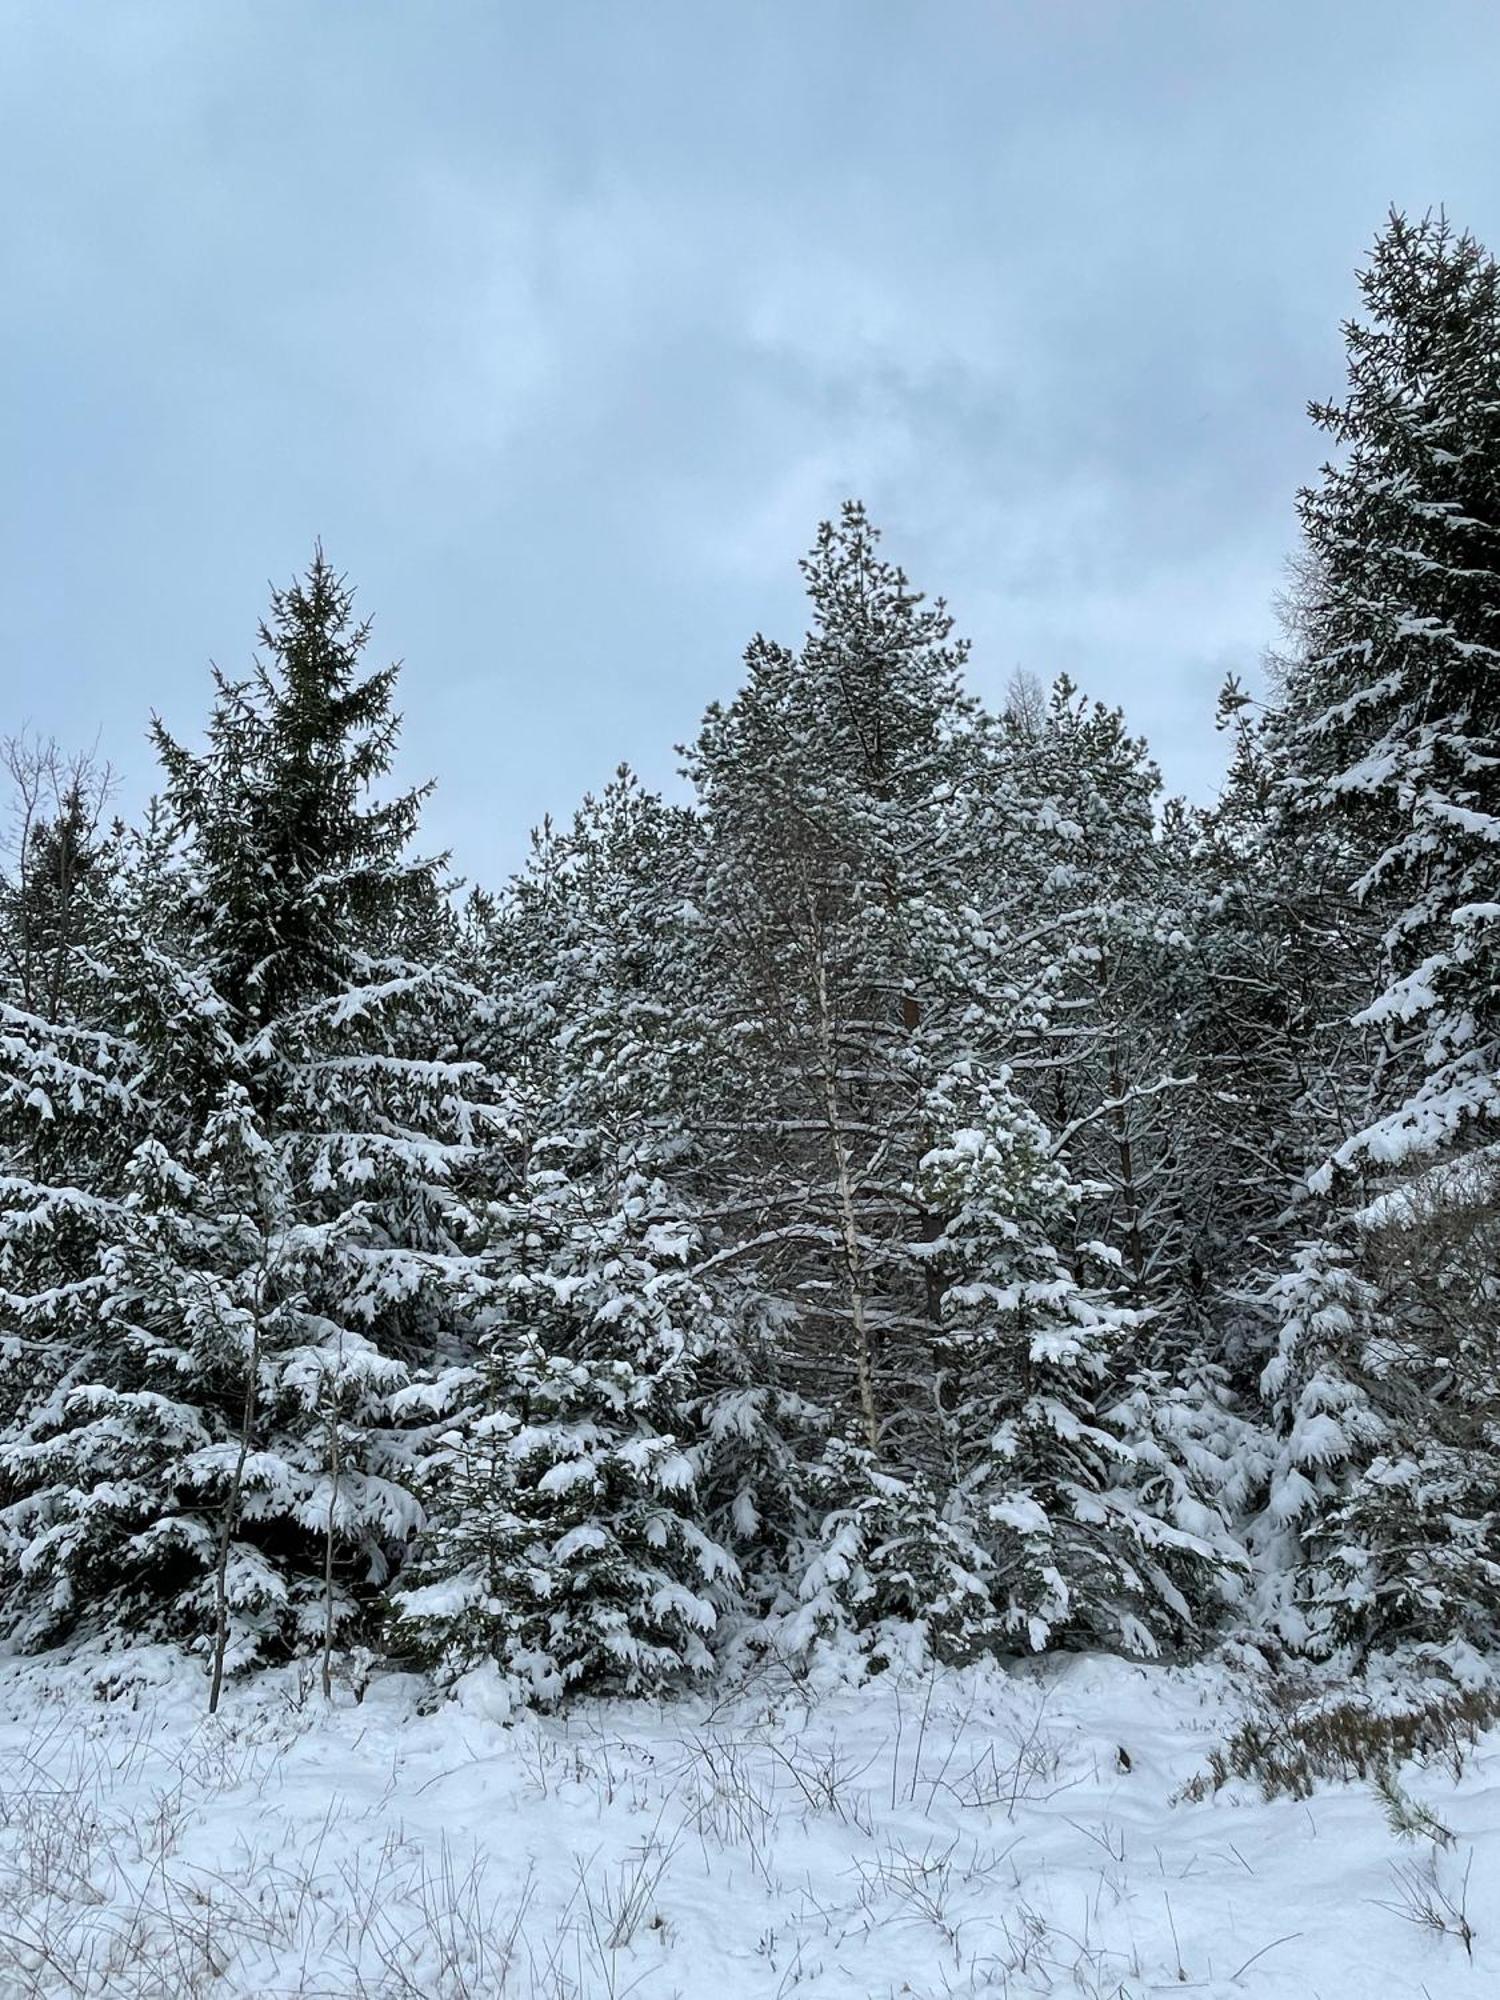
864,1371
1135,1249
930,1225
333,1495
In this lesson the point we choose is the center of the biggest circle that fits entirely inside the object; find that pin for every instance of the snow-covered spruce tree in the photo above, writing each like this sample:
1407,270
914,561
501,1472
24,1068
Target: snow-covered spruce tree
1277,961
862,1014
74,1102
1108,1541
1388,1398
237,1465
572,1550
567,1549
90,1458
1082,882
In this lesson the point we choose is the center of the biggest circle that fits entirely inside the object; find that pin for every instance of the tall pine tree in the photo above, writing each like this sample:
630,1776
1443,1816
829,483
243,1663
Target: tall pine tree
575,1546
887,1187
291,1295
1389,1398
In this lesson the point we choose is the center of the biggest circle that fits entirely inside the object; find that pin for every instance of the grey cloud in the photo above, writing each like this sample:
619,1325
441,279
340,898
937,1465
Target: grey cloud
563,325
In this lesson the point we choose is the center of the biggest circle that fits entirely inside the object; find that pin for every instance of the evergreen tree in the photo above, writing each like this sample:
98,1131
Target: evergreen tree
570,1548
1084,884
860,995
1391,713
1079,878
1278,955
1389,1404
236,1463
74,1101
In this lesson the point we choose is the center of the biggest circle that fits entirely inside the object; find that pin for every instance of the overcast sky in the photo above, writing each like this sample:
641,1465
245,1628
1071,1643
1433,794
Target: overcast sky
563,324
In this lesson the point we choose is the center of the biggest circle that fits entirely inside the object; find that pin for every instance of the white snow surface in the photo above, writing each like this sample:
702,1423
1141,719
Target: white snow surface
960,1834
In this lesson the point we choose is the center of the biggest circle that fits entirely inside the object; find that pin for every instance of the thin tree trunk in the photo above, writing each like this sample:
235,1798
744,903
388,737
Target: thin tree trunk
930,1224
333,1495
231,1518
1135,1249
864,1372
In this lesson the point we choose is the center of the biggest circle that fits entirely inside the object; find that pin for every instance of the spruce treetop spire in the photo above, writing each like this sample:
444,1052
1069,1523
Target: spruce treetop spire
299,869
890,664
1395,707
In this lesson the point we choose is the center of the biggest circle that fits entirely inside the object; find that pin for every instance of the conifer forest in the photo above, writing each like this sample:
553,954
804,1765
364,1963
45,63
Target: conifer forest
915,1207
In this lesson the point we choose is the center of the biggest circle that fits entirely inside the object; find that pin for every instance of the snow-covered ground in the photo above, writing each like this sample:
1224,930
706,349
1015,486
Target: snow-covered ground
979,1834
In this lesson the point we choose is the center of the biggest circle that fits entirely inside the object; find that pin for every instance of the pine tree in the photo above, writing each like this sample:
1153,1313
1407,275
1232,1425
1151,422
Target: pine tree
860,994
1388,1401
74,1101
1394,713
1082,876
1278,958
1080,879
823,789
290,1298
1043,1455
570,1550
